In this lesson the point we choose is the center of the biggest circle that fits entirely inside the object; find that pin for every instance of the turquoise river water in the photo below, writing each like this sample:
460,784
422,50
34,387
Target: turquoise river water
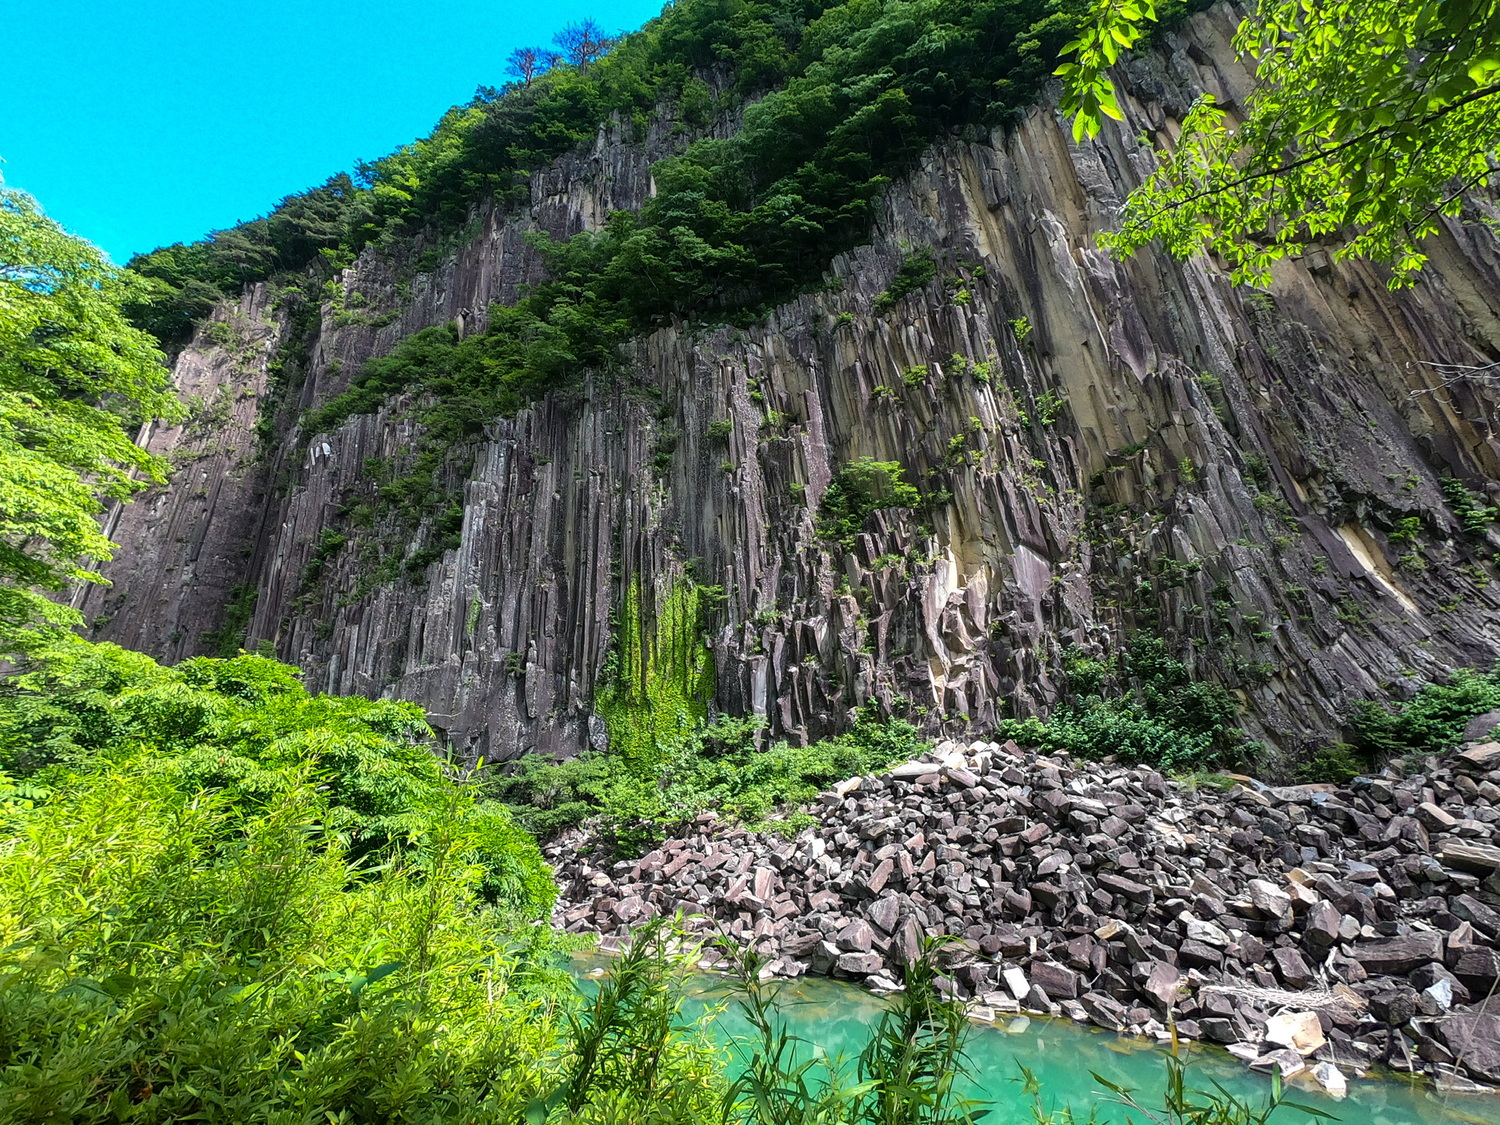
837,1018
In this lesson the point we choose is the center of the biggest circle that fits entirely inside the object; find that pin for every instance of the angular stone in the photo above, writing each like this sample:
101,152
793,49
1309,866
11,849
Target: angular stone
1205,932
1480,859
1300,1031
1058,981
1476,913
1475,1038
1104,1011
875,882
629,908
860,964
1198,955
1394,1008
1320,929
1399,955
909,771
1129,889
1164,983
1479,759
1435,819
1292,968
885,912
1478,966
1287,1061
1269,899
1332,1079
856,937
1429,975
765,878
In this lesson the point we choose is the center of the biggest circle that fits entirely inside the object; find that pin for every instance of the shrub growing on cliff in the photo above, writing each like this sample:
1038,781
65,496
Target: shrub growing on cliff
1431,723
859,489
1149,711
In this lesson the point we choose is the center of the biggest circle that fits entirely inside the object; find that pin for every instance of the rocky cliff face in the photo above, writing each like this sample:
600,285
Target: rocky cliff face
1104,448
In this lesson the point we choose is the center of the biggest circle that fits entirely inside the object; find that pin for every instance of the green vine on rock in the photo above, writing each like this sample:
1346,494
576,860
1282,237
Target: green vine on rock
659,680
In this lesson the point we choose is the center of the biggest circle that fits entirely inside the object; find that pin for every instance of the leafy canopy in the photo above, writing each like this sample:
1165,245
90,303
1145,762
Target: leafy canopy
247,729
1367,125
74,377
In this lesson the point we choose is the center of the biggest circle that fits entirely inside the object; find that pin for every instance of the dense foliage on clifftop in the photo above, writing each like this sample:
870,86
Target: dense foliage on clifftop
857,90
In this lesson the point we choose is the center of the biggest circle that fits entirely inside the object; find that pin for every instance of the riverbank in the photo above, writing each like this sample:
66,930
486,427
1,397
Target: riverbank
1307,928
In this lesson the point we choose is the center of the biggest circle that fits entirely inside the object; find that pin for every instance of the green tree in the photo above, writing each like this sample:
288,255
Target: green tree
74,378
1368,124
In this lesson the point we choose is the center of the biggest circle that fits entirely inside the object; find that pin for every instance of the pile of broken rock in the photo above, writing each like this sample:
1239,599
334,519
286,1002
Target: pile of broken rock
1311,927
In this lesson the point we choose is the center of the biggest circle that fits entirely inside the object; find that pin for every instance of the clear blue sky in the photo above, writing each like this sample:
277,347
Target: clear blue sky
138,123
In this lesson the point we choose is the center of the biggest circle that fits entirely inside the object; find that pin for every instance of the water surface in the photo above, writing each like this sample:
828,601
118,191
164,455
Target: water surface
838,1018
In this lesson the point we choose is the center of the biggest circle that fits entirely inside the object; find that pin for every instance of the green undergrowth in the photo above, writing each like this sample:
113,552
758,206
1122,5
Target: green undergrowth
248,731
723,766
1431,723
1141,708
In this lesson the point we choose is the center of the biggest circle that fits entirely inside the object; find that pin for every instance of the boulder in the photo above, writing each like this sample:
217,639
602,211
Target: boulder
1435,819
1292,968
1477,914
1474,1037
1399,955
1395,1007
1482,756
860,964
885,913
1479,859
1269,899
1104,1011
856,937
1300,1031
1196,954
1164,983
1429,975
1332,1079
1058,981
1287,1061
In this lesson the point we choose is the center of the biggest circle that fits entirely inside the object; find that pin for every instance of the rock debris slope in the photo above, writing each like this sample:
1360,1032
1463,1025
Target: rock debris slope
1103,449
1298,926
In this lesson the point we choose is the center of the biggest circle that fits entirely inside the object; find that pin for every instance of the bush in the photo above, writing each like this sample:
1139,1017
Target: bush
915,272
1150,712
176,955
246,729
1431,723
860,488
720,767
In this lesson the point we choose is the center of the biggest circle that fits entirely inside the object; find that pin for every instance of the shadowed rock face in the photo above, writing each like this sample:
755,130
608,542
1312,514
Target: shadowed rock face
1152,450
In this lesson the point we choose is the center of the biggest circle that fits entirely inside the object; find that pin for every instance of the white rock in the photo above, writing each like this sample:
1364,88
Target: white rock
1441,992
1300,1031
1015,980
1331,1078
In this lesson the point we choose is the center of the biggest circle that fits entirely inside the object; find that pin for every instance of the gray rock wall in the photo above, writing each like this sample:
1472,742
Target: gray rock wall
1152,450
